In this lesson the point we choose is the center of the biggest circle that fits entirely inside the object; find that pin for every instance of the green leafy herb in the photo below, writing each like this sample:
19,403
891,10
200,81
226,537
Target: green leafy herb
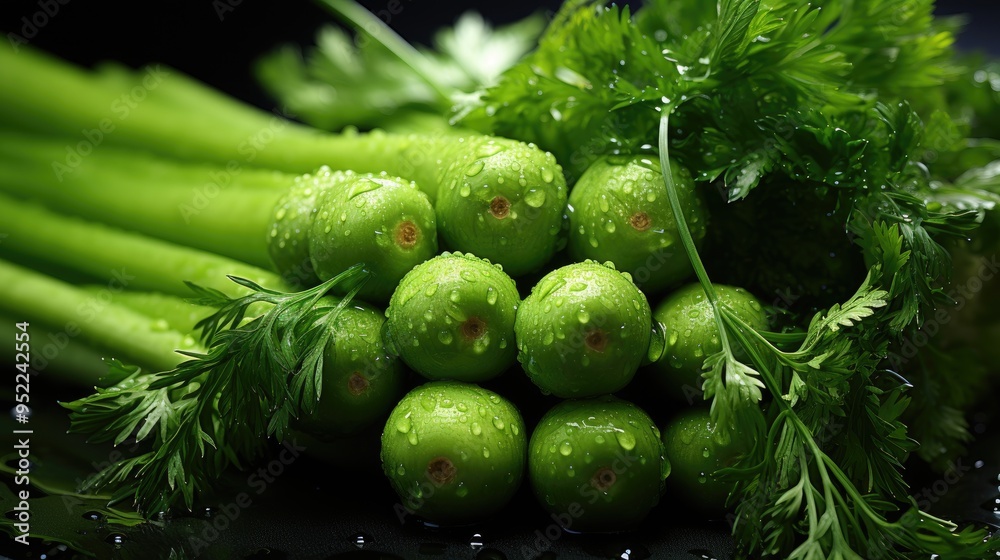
377,78
218,408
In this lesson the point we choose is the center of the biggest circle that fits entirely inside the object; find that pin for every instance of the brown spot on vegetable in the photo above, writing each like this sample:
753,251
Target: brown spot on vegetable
441,470
357,384
640,221
499,207
596,340
603,479
407,234
473,328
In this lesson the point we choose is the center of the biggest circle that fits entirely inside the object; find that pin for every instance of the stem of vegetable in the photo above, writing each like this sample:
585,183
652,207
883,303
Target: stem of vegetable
364,21
69,361
129,335
233,222
128,259
496,198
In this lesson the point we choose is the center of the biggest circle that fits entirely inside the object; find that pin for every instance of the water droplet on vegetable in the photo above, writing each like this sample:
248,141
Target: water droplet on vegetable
404,425
626,440
475,168
535,198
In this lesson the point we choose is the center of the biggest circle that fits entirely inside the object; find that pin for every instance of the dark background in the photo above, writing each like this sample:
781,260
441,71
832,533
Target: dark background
217,41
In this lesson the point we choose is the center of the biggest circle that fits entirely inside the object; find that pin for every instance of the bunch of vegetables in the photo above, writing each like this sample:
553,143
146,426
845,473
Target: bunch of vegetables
766,203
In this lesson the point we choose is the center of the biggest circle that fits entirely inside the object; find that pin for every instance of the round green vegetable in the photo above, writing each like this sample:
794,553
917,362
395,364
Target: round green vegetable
504,200
583,331
695,452
452,317
382,221
619,212
361,381
692,334
598,463
454,452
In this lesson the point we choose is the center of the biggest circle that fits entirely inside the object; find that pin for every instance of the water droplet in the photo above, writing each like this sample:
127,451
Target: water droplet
535,198
549,338
610,227
360,539
626,440
404,425
702,479
566,449
476,429
706,453
445,337
465,190
514,429
599,439
455,296
475,168
116,539
603,203
583,316
476,542
431,290
491,296
498,423
428,404
486,453
547,175
93,516
412,437
401,470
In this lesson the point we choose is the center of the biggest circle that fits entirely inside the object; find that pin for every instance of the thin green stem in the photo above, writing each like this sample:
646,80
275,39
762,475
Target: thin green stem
365,22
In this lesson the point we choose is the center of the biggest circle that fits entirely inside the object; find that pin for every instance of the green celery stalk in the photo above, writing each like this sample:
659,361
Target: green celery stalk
95,320
127,259
54,354
497,198
175,312
230,221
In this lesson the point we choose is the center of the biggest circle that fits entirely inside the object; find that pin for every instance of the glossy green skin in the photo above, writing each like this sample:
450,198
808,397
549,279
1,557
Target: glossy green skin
479,432
431,313
363,222
603,203
329,221
575,447
480,169
361,381
695,452
293,215
558,321
692,334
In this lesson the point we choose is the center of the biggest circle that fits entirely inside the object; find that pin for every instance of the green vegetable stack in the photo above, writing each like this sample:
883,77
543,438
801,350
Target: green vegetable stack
741,215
